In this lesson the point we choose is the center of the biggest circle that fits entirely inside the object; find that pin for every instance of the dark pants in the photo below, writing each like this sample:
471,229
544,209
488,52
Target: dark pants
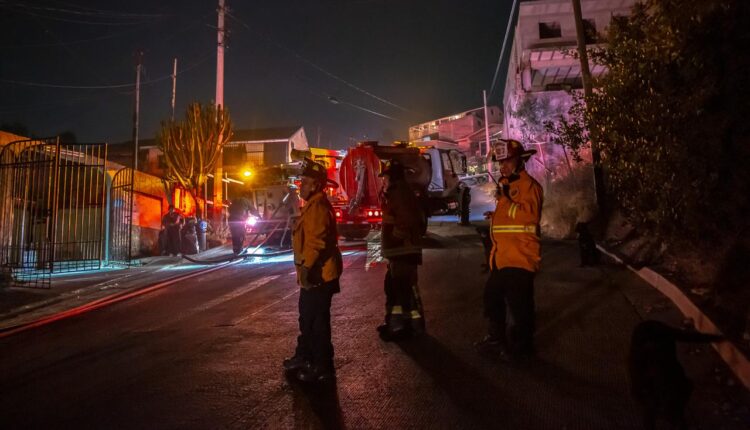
403,304
237,229
172,236
314,342
509,296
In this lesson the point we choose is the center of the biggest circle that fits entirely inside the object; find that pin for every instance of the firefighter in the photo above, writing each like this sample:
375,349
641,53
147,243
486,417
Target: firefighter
514,258
239,210
170,223
319,265
403,226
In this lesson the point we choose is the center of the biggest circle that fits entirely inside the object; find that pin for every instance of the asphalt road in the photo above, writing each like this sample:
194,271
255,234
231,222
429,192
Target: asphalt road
207,354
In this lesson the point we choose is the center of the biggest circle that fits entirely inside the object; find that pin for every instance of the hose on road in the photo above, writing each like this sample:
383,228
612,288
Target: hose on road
244,253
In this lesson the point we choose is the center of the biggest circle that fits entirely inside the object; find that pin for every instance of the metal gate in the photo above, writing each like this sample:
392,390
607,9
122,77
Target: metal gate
120,215
52,209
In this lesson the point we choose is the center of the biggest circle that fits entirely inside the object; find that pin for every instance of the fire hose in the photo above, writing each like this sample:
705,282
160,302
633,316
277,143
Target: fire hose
244,254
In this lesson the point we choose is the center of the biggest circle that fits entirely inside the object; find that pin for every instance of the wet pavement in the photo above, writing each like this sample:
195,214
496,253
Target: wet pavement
207,353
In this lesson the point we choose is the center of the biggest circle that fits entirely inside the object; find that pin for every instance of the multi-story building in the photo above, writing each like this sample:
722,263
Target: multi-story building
465,130
542,70
456,126
543,76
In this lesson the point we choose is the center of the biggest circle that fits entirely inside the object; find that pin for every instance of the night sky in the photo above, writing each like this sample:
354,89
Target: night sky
285,59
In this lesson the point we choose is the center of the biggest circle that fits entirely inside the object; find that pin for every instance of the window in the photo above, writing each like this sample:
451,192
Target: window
549,30
446,162
459,162
589,31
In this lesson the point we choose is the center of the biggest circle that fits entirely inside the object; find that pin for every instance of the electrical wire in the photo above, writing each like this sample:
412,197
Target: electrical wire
103,87
336,100
502,50
21,9
320,69
72,42
84,11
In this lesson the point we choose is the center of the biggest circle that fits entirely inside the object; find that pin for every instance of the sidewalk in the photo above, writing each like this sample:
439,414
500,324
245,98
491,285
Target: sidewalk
20,305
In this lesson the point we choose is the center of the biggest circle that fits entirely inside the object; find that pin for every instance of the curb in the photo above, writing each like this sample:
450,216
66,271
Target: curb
732,356
104,301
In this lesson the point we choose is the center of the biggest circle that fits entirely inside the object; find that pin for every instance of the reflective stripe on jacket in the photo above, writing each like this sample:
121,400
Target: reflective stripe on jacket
515,226
315,241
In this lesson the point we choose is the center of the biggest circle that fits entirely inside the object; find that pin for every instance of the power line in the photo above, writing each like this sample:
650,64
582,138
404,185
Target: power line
336,100
75,21
71,43
84,11
107,36
104,87
319,68
502,50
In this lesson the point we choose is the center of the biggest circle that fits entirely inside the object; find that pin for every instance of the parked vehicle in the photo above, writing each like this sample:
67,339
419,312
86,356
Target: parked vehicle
435,174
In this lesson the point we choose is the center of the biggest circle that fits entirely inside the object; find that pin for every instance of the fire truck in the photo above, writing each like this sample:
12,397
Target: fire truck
358,179
435,173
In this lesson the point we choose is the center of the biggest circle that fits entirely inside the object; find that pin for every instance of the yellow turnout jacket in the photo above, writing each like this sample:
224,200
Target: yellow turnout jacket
515,226
315,241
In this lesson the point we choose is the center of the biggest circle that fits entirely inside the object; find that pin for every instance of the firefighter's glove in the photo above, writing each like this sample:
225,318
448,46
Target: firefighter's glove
302,277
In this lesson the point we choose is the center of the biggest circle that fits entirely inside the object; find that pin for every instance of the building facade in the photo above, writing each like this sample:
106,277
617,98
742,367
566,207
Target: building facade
464,131
542,81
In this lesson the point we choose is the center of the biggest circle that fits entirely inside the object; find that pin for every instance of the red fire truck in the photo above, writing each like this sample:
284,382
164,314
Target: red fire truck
358,179
434,173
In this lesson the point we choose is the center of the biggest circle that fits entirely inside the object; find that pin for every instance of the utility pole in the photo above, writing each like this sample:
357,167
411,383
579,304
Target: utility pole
174,85
487,133
137,106
136,117
588,92
219,170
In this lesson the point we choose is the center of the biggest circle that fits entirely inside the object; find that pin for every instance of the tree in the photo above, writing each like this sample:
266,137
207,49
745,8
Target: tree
569,131
532,112
191,148
672,114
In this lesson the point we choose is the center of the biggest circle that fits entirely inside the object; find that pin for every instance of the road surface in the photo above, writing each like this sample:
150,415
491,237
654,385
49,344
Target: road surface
208,353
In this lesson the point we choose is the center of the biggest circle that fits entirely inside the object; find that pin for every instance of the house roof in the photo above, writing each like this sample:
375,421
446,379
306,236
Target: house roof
261,134
7,137
479,135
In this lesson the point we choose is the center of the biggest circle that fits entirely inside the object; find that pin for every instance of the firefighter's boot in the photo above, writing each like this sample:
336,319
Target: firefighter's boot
493,344
294,363
395,327
316,374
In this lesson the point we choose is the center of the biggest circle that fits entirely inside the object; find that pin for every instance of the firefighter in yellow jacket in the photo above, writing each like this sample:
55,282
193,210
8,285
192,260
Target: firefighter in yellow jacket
319,265
515,256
